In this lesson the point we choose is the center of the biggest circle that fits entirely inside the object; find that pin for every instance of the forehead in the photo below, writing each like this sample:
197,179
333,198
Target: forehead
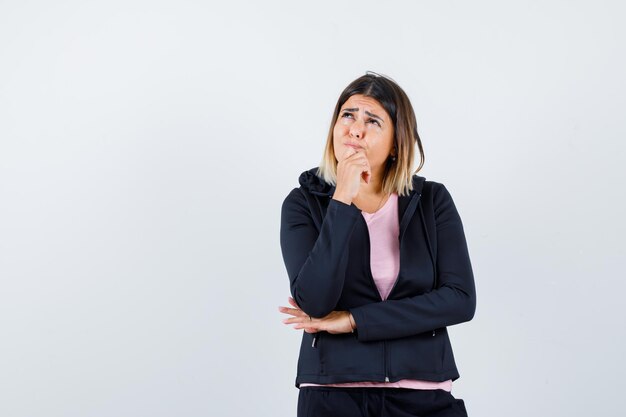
365,103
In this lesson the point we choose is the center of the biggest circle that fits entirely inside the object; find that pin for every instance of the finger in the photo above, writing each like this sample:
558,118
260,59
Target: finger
293,312
360,160
282,308
293,303
355,154
306,328
296,320
348,153
366,165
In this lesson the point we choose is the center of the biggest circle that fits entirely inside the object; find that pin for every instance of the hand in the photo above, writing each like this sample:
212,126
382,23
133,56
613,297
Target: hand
351,169
335,322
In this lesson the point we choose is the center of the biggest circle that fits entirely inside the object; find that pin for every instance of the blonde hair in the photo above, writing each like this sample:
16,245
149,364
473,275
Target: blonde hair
398,174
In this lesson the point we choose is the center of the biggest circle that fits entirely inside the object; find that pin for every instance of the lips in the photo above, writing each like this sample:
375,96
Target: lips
353,145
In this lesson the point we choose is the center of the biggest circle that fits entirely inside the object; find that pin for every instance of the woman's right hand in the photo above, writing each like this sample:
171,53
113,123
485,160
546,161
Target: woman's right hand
352,168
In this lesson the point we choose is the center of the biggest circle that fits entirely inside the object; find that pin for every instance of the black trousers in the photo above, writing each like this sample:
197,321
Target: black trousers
378,402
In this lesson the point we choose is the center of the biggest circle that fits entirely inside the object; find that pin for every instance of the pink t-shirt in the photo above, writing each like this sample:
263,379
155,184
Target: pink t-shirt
384,228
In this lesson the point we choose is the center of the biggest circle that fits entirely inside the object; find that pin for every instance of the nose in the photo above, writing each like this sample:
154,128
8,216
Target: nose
357,129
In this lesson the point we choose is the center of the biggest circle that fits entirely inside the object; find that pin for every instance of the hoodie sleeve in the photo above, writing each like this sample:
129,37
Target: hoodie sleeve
452,302
316,261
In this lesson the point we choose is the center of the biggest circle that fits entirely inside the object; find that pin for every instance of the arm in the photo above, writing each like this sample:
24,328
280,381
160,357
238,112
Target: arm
316,262
452,302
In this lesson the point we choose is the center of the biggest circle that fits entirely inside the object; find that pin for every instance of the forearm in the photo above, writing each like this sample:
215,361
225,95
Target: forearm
316,263
452,302
392,319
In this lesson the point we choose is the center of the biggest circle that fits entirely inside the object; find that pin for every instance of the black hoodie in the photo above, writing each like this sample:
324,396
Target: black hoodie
326,249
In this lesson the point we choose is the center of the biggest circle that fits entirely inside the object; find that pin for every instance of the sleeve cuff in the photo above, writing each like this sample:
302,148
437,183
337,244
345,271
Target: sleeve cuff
340,206
359,320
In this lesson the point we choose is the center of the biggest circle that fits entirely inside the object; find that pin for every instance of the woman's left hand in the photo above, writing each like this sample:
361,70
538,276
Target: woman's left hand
335,322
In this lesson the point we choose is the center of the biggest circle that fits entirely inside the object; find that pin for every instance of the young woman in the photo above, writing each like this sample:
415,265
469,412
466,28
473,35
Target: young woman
378,267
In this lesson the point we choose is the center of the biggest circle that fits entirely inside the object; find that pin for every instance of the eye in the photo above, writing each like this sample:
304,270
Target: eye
374,121
346,114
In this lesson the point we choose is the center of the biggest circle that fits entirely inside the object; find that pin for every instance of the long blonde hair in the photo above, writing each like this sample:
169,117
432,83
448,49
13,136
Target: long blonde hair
398,174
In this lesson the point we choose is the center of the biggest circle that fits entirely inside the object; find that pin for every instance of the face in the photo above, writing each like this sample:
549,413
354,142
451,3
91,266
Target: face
364,124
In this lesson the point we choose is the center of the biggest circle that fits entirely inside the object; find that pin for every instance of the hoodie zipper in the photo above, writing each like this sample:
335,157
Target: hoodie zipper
403,225
368,268
385,357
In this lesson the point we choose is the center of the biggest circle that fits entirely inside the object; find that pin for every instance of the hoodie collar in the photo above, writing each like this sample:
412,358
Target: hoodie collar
316,185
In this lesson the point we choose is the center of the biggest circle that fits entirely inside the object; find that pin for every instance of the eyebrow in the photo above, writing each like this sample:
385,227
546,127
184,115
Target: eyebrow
366,112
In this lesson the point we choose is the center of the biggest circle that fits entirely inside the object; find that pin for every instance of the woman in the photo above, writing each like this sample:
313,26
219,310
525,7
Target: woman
378,266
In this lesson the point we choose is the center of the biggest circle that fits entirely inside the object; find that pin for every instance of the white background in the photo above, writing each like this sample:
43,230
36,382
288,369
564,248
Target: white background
146,148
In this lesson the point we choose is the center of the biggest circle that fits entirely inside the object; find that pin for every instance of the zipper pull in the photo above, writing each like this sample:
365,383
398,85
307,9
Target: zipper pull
314,344
433,333
386,379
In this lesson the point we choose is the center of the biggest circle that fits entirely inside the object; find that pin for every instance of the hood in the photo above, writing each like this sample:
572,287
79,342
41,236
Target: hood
316,185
